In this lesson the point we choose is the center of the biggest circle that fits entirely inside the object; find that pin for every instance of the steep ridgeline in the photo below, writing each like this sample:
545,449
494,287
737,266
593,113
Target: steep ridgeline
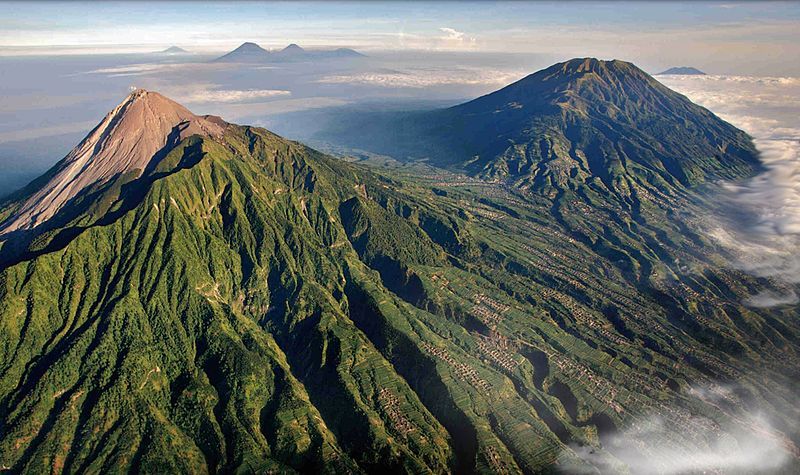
605,126
240,302
198,322
131,138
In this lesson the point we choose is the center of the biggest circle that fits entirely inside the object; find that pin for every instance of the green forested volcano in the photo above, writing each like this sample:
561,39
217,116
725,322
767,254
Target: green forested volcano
605,126
588,120
245,303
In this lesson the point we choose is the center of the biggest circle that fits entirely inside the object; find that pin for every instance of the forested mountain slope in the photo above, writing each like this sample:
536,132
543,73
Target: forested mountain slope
584,124
245,303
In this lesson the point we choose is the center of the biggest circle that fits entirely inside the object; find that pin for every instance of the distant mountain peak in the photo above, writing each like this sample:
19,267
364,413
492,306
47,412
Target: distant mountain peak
251,52
124,143
347,52
685,70
174,50
246,52
249,46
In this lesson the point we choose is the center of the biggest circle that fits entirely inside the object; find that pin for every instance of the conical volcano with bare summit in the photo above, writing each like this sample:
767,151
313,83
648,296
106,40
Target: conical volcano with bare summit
140,129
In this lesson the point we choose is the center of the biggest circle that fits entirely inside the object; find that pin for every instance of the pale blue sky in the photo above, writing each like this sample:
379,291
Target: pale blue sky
732,32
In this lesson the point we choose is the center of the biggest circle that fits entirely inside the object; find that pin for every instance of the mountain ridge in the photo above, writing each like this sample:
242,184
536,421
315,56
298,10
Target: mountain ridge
251,52
686,70
615,92
568,123
250,304
174,50
144,125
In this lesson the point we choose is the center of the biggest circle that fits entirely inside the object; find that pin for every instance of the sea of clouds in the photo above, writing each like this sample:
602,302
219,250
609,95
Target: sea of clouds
427,77
760,218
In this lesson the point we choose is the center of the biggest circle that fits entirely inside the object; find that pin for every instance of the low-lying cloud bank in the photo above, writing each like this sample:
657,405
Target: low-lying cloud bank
674,440
651,446
426,77
768,298
192,93
760,220
134,69
228,96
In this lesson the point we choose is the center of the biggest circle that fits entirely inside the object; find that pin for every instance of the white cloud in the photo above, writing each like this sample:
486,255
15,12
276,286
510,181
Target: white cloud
672,439
654,446
449,39
454,39
258,110
210,93
229,96
770,299
132,70
422,78
142,69
760,223
452,34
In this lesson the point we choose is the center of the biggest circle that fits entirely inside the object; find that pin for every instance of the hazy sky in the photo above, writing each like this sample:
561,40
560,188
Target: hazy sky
722,37
63,65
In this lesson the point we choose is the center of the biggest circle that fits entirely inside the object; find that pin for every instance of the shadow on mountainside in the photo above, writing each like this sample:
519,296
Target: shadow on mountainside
108,202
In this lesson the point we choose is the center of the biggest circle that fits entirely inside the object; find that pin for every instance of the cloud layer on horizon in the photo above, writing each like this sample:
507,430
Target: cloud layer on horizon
748,38
426,77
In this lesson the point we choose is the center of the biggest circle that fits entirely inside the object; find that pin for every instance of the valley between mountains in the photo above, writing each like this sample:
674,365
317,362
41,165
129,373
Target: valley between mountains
530,292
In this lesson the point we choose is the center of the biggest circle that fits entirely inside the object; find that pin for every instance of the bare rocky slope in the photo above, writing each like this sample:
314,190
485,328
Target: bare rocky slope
138,131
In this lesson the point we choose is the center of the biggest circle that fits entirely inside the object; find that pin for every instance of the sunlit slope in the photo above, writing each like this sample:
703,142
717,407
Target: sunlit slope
250,304
205,330
124,145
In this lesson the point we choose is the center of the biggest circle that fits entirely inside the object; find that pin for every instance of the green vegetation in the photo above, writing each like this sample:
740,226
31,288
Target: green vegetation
251,305
583,125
